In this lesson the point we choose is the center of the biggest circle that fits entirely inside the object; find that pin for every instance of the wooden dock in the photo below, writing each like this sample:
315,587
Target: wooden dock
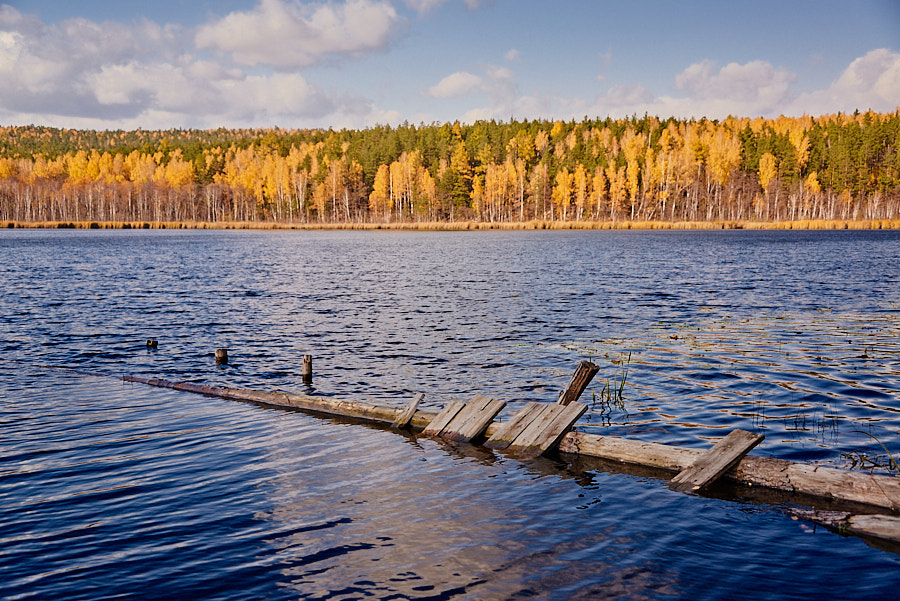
539,428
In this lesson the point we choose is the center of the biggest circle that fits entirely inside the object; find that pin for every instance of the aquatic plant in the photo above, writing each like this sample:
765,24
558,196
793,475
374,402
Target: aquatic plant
888,462
611,395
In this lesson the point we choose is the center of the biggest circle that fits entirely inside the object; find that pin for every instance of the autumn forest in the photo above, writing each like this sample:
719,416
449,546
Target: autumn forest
844,166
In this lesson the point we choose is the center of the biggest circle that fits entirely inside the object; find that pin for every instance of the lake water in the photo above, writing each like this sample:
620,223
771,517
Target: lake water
112,490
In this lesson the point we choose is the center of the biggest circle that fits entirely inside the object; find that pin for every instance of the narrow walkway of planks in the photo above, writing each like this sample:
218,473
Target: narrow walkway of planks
832,485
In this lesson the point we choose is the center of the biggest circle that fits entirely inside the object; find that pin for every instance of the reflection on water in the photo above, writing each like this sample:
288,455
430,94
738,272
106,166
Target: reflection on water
112,490
162,494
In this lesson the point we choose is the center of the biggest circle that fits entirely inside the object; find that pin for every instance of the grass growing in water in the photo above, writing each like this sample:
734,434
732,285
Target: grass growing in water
611,395
891,465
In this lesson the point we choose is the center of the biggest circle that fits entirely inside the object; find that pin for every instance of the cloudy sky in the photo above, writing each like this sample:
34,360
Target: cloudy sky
355,63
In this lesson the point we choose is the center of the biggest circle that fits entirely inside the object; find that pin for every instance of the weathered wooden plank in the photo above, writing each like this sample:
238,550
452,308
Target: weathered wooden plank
716,461
472,420
407,414
507,431
545,432
580,380
539,420
443,418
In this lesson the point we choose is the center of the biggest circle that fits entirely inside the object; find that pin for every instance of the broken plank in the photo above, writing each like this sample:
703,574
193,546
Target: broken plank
407,414
546,432
715,461
443,418
508,431
473,419
580,380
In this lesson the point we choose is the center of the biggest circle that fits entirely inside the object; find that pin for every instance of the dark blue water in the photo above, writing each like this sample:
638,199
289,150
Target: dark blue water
110,490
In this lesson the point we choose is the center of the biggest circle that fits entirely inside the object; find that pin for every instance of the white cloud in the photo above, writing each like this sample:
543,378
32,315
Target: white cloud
423,6
756,87
498,84
286,34
457,84
80,74
871,81
512,55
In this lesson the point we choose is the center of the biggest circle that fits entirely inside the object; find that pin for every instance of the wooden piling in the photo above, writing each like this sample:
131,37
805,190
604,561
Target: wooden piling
152,343
221,356
306,369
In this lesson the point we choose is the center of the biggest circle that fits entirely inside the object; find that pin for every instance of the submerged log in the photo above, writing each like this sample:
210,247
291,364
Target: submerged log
884,527
813,481
779,474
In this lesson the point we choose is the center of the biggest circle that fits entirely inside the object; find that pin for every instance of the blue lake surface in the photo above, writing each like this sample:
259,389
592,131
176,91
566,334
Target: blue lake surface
113,490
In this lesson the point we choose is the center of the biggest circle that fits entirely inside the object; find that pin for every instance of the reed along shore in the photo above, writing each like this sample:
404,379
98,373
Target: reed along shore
456,226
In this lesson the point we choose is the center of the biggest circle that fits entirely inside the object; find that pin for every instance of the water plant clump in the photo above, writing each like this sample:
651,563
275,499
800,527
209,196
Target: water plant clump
868,461
611,396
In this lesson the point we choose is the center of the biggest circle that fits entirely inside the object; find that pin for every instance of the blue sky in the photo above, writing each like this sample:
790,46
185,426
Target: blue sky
356,63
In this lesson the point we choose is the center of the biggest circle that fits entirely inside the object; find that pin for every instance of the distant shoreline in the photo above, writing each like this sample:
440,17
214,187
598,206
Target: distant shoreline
458,226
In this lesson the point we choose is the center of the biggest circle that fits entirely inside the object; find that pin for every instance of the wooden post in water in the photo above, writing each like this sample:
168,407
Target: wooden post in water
152,343
580,380
306,369
221,356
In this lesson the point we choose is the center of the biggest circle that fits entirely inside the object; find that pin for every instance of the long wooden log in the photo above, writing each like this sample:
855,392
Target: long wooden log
779,474
827,483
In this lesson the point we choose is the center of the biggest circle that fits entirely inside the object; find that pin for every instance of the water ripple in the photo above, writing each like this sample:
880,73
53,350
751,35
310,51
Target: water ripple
111,490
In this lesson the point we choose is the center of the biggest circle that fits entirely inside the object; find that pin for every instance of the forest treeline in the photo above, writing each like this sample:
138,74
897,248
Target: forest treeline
844,166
